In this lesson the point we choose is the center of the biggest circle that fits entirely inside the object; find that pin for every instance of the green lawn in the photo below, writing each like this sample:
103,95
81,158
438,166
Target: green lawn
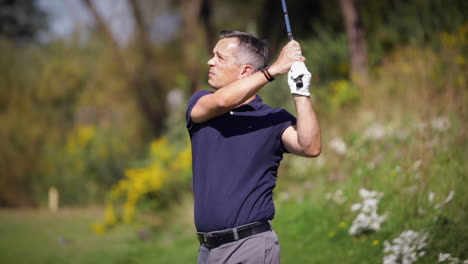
39,236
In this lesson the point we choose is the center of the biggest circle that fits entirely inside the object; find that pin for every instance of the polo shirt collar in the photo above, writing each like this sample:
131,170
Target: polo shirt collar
253,105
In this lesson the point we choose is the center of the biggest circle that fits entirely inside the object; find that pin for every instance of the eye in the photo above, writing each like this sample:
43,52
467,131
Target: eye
219,56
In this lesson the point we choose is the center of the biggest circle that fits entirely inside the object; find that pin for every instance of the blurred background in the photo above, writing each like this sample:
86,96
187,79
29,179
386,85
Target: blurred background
95,162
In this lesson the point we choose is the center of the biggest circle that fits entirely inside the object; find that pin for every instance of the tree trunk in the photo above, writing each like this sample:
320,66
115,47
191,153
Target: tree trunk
102,26
207,19
150,94
190,15
356,40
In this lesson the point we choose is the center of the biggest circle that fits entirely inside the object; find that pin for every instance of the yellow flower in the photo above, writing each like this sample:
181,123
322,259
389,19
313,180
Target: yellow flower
448,39
98,228
182,163
331,234
342,224
159,148
109,215
84,133
375,243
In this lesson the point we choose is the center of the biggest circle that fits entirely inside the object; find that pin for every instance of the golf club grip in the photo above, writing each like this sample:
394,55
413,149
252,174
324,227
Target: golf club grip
298,80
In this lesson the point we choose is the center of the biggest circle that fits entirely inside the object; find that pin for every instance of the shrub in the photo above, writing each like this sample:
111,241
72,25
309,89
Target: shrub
163,175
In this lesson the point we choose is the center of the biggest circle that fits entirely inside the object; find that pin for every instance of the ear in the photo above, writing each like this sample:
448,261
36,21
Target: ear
245,71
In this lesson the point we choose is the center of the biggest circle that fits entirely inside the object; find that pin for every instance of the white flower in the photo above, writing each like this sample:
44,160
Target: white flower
284,196
355,207
443,257
337,197
449,197
421,126
421,211
375,132
431,197
299,164
440,123
446,201
417,164
401,135
367,219
406,248
338,145
175,98
447,258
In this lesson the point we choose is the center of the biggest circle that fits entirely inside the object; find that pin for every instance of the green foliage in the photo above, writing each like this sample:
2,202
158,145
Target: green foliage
390,24
47,93
327,55
339,94
91,159
160,180
23,127
21,20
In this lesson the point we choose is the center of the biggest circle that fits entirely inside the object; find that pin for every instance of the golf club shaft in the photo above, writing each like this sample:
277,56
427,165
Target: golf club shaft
298,80
286,20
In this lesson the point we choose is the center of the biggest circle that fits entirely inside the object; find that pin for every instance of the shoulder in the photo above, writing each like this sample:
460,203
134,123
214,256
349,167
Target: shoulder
279,113
196,96
191,104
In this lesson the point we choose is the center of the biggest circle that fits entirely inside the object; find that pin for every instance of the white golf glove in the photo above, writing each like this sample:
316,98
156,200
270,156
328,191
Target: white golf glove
298,69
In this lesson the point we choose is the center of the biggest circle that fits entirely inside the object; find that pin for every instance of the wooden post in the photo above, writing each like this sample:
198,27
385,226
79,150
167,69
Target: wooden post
53,199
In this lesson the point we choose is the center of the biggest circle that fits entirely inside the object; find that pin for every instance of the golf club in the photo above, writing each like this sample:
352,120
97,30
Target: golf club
298,80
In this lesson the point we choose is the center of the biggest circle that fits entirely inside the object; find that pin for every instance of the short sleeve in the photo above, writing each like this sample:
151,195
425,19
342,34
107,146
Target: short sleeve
289,120
191,103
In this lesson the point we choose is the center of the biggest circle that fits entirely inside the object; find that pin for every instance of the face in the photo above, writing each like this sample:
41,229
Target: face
224,68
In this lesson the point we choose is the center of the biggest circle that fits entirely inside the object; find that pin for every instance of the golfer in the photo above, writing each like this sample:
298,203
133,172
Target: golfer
238,143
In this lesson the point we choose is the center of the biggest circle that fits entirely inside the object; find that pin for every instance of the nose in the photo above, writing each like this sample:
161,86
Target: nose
211,62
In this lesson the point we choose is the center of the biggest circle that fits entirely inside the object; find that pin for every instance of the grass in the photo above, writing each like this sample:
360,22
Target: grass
39,236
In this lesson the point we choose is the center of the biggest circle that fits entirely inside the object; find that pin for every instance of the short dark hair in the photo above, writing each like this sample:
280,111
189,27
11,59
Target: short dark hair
252,50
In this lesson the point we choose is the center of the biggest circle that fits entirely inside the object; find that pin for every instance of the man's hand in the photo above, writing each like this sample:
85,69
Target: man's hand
290,53
297,73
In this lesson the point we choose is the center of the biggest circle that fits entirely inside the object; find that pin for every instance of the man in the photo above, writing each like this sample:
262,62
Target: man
238,143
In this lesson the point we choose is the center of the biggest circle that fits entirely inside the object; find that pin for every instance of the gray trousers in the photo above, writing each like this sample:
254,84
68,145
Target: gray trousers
257,249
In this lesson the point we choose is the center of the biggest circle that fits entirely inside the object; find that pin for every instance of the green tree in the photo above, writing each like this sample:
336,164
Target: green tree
21,20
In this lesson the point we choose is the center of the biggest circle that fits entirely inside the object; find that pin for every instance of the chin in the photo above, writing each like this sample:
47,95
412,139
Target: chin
213,85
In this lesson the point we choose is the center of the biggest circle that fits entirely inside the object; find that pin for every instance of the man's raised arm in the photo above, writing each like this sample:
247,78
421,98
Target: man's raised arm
304,138
244,87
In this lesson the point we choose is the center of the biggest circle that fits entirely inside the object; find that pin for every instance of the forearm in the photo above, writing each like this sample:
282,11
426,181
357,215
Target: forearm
307,127
237,92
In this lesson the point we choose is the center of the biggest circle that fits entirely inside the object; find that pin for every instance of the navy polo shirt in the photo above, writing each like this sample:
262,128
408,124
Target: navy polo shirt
235,160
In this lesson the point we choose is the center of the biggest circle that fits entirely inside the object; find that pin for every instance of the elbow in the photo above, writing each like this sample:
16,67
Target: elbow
313,151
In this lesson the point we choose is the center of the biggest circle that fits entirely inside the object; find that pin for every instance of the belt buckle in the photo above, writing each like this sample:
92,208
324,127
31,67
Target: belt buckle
202,238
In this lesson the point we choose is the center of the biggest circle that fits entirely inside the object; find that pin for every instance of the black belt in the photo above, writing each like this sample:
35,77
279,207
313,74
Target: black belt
217,238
